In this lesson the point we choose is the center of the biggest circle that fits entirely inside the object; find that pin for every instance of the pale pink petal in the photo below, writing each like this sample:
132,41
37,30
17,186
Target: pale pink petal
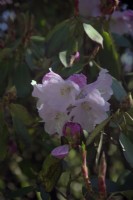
60,151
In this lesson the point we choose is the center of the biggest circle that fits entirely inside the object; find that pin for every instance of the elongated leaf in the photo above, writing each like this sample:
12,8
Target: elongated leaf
121,40
60,38
22,80
44,195
3,136
63,58
21,112
127,148
37,38
4,70
118,90
29,58
50,172
109,57
93,34
21,131
97,130
20,192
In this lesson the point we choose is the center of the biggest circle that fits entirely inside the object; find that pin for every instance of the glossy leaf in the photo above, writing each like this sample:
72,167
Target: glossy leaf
127,148
63,58
118,90
93,34
108,56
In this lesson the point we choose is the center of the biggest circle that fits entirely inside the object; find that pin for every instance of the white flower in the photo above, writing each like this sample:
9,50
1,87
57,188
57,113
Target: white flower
72,100
56,92
54,119
90,110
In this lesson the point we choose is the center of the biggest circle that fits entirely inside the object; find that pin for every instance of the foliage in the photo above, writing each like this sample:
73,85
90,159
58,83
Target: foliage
53,35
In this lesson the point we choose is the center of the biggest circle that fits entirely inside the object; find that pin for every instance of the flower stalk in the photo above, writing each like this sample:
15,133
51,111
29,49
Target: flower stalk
85,170
101,178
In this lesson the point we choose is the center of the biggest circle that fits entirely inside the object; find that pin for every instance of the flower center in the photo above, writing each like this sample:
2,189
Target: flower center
85,106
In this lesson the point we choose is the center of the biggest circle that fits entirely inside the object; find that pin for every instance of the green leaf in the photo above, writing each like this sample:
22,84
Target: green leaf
128,195
127,148
65,72
50,173
60,38
121,40
37,38
63,58
3,136
21,112
44,195
30,59
4,70
22,80
108,57
97,131
93,34
5,52
20,192
21,131
118,90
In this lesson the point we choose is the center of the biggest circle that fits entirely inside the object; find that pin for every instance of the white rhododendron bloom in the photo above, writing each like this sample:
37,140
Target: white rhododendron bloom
61,101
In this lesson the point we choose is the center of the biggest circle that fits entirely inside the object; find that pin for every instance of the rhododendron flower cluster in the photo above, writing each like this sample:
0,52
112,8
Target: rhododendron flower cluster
72,100
122,22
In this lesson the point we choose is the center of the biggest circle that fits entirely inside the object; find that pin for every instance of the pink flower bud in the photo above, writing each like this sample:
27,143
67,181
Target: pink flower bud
73,132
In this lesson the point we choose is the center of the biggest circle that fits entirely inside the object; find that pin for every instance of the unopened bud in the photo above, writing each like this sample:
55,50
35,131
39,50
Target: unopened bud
73,132
107,7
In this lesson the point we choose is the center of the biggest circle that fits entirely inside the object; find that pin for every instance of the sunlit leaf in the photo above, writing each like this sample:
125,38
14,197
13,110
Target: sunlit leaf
37,38
93,34
63,58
